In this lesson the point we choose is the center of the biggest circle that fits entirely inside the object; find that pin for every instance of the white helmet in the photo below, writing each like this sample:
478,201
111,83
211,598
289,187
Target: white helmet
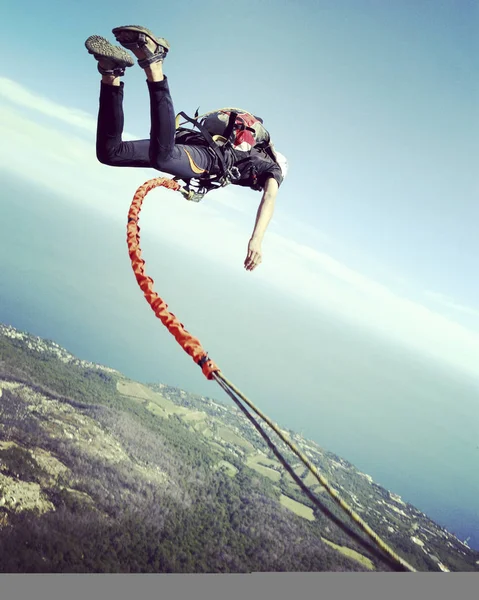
282,162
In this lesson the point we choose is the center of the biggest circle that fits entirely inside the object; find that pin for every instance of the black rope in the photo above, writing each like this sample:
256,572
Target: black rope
324,509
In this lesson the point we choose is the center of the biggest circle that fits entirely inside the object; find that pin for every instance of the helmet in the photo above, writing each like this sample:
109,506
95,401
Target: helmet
282,162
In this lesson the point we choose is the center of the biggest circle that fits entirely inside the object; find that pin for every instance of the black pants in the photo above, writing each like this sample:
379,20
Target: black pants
160,151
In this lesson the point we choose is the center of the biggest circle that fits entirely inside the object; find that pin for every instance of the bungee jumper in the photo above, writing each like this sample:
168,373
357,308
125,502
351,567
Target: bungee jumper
231,145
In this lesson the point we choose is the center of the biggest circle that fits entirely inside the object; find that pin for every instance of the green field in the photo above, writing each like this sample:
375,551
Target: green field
300,471
266,462
311,480
230,436
141,393
266,471
351,554
202,427
213,444
254,463
194,416
228,467
260,459
156,410
300,509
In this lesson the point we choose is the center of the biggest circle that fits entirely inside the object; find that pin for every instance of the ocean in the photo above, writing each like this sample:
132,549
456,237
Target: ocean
411,424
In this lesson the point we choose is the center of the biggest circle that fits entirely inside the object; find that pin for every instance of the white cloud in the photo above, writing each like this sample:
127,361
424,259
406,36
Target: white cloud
449,302
20,96
331,285
67,165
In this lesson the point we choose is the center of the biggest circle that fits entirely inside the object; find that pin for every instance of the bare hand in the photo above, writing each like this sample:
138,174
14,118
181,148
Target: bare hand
254,256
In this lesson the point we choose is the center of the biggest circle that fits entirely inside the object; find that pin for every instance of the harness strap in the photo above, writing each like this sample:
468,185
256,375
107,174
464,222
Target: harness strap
228,134
205,185
211,142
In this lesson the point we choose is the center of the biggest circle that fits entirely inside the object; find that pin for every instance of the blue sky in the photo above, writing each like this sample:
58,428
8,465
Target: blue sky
375,105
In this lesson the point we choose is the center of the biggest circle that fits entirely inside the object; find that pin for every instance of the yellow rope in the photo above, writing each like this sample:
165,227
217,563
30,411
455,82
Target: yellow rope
193,347
369,546
322,480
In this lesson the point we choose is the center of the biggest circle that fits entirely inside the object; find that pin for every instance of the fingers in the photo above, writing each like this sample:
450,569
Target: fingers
252,260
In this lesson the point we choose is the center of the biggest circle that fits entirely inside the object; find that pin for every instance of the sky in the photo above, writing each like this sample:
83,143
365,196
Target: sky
374,236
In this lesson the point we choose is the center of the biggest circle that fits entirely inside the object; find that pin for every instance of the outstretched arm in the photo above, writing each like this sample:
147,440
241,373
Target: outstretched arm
263,217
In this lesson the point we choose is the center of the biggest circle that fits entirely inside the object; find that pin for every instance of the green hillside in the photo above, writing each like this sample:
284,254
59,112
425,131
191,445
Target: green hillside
102,474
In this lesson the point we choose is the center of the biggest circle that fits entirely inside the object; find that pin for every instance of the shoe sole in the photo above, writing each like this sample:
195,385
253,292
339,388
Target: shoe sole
140,29
101,48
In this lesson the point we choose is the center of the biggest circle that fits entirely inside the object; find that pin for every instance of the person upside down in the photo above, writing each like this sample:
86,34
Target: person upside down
231,147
